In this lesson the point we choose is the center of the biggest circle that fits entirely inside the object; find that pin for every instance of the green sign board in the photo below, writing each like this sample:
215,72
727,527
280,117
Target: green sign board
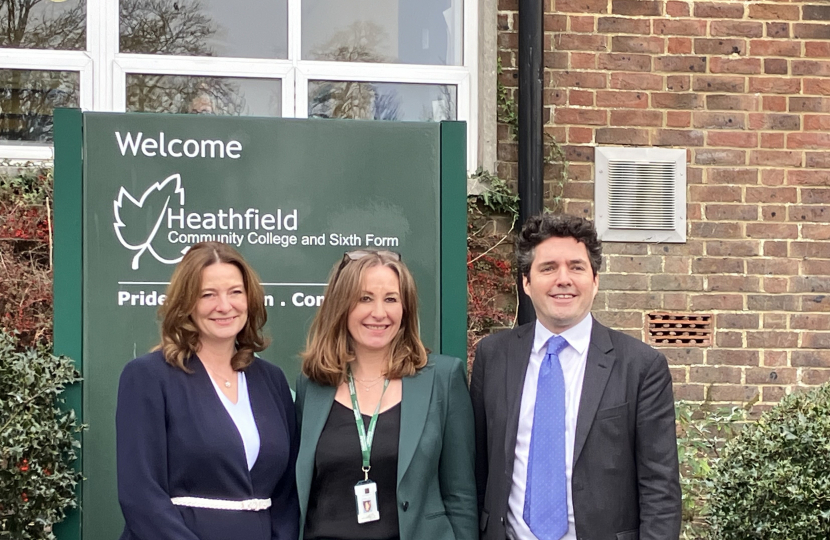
134,191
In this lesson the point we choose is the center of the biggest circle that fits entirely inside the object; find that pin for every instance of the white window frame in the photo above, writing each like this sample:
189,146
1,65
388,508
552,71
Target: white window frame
103,71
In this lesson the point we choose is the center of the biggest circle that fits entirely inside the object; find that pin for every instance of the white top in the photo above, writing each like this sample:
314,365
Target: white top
572,358
242,416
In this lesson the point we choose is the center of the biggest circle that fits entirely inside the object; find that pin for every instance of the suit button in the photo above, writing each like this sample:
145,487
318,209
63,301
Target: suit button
405,505
502,520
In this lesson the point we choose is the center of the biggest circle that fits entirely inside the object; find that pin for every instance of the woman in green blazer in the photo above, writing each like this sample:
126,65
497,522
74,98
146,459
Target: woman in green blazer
404,467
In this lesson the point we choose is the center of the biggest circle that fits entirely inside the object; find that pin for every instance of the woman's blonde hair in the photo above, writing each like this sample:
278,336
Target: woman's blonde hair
179,334
329,347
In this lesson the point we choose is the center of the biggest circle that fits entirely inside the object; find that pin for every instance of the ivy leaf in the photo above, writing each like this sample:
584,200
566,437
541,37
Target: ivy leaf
132,231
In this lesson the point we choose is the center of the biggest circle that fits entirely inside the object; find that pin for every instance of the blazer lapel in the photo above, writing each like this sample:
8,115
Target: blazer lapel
417,393
516,361
316,409
597,370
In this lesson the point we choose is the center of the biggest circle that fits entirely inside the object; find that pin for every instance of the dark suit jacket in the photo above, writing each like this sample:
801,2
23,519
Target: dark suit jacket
436,483
625,474
176,439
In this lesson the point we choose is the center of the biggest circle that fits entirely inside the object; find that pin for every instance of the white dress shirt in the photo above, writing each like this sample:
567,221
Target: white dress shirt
572,358
243,417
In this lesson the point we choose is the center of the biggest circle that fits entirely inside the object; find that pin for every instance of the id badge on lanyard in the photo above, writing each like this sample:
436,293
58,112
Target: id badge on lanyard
365,491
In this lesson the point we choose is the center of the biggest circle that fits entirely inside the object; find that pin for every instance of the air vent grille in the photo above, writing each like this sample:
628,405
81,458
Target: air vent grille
679,329
641,195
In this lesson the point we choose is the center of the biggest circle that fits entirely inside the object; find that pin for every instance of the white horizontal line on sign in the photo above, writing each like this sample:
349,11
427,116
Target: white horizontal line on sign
263,284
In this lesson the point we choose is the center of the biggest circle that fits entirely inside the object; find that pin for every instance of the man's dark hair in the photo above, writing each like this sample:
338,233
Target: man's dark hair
540,227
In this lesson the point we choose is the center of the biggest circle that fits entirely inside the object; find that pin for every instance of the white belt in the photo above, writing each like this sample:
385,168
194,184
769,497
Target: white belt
222,504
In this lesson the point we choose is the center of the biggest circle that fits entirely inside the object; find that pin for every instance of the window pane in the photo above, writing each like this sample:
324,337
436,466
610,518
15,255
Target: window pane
381,101
237,28
204,95
27,99
38,24
397,31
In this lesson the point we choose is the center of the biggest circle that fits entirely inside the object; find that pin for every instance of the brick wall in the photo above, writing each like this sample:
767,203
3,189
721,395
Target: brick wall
745,88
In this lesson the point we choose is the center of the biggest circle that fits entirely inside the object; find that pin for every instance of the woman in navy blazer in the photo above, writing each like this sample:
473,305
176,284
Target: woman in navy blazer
206,432
422,456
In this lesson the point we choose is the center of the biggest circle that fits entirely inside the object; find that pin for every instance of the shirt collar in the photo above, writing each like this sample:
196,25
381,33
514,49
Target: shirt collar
578,336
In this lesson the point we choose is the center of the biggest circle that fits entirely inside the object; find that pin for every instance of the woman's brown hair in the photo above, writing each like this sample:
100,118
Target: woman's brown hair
179,335
329,346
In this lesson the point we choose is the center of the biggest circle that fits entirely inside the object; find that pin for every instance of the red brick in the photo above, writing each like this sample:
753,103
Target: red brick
771,340
712,374
810,284
589,117
820,214
733,284
637,44
511,5
634,300
771,375
701,265
718,10
817,68
815,376
732,139
627,62
553,60
774,12
678,119
705,302
773,394
580,135
737,320
580,79
812,321
689,392
808,140
727,357
815,13
772,302
552,23
737,29
693,64
677,9
629,117
583,60
815,196
775,320
778,30
667,27
672,100
808,178
580,6
580,42
612,98
816,86
719,156
773,213
811,31
579,153
637,7
730,212
554,97
775,158
809,104
636,81
719,83
679,45
583,98
732,248
820,359
720,46
676,265
732,176
678,83
816,303
715,193
816,122
775,358
815,232
729,339
623,25
773,140
716,120
622,136
817,49
776,66
772,177
773,231
769,47
748,66
775,103
774,85
678,137
775,285
582,24
771,195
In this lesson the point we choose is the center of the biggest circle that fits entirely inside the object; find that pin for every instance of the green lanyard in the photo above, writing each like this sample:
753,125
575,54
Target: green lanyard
365,438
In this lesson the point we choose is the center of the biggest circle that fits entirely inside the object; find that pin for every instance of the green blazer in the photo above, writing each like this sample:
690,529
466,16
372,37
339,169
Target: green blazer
436,451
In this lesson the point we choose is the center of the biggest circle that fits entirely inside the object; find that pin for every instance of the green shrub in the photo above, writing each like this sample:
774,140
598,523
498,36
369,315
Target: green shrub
773,481
37,440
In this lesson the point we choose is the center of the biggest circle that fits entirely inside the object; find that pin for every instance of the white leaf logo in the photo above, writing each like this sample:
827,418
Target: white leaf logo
157,198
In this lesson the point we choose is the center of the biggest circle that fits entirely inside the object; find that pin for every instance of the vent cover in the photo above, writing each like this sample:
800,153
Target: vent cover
679,329
641,194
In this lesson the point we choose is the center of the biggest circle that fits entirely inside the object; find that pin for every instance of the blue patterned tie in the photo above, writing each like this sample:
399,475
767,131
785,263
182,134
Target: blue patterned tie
546,495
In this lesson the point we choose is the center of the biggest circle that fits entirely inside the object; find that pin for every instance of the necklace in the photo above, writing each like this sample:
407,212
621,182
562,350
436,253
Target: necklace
226,384
368,384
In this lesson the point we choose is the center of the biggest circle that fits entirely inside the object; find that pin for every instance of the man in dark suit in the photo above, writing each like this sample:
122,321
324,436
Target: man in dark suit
574,413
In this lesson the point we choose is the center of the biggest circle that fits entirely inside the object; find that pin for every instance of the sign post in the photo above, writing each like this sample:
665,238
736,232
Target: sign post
290,195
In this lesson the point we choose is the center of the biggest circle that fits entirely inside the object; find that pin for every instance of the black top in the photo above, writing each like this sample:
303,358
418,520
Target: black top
332,510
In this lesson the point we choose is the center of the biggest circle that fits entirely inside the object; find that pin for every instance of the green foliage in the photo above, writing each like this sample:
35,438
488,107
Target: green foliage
773,481
37,441
498,198
701,434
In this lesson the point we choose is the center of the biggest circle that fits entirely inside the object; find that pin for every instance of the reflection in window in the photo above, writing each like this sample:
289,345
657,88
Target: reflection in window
381,101
204,95
41,24
27,99
238,28
398,31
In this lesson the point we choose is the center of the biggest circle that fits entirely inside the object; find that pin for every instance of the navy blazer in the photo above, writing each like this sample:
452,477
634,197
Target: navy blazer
175,439
436,454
